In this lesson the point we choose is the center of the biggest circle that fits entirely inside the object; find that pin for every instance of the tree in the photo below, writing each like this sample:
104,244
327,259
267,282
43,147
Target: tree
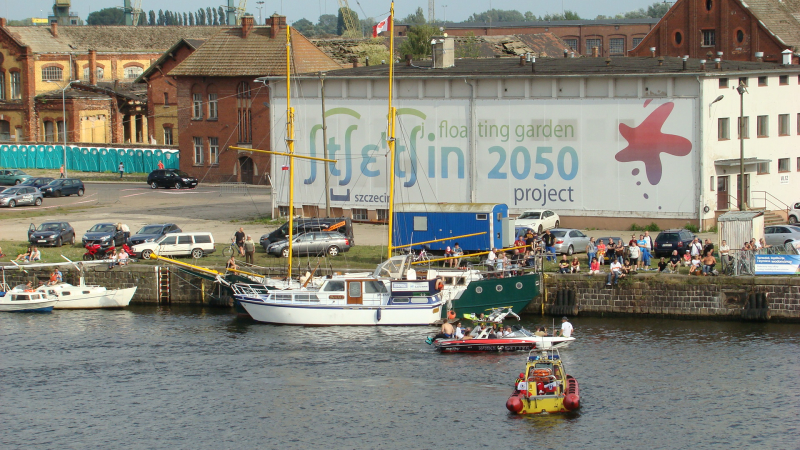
215,22
326,25
223,20
304,26
191,19
160,20
418,18
497,15
418,42
657,10
209,16
341,27
152,18
197,18
469,47
106,16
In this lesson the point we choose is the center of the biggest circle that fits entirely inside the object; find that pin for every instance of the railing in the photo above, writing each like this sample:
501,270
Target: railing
233,188
742,262
767,198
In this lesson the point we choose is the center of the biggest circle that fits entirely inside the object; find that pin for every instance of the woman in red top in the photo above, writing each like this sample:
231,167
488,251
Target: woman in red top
601,253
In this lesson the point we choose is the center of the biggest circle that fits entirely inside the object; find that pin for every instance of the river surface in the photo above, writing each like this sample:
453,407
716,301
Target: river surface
149,377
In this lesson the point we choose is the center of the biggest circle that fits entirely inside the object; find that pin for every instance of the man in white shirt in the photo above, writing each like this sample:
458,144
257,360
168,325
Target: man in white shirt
566,327
614,274
696,247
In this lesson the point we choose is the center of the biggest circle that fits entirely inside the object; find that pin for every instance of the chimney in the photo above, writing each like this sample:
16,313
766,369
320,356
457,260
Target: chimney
760,56
566,53
443,51
653,52
366,61
608,61
595,52
408,60
247,26
787,57
54,29
717,63
93,67
660,60
276,24
571,54
2,22
685,61
522,60
533,64
702,64
355,61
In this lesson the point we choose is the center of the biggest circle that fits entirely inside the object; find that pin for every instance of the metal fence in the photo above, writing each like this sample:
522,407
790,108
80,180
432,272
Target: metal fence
742,262
233,188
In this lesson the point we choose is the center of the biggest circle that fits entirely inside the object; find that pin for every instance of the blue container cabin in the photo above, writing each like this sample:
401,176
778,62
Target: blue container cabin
419,222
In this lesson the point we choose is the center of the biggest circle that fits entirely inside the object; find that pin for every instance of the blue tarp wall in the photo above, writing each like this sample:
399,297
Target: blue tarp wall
438,224
86,159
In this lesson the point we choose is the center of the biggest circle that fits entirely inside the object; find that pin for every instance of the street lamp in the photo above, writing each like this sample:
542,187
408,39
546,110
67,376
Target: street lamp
741,90
64,119
259,7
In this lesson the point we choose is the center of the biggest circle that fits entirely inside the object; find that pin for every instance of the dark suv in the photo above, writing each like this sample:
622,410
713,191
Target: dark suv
168,178
63,186
669,240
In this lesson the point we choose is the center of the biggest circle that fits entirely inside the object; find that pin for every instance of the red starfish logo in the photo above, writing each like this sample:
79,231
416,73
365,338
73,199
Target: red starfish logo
646,142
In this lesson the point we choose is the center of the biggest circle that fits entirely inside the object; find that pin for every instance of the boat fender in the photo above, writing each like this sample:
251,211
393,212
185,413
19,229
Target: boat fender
514,404
572,402
451,315
439,284
379,314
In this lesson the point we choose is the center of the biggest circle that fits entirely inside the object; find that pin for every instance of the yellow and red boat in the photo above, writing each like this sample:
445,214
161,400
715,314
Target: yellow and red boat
544,387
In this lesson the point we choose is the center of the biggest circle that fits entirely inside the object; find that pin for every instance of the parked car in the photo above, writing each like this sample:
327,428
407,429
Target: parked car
781,234
342,225
64,186
12,176
51,233
104,234
570,240
538,219
168,178
669,240
150,233
329,243
195,244
794,214
36,182
20,195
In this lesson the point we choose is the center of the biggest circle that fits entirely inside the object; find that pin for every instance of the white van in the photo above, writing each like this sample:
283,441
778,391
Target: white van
194,244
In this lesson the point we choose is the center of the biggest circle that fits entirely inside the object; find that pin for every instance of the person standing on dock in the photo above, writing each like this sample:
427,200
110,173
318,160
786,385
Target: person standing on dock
249,250
61,170
239,238
121,170
549,245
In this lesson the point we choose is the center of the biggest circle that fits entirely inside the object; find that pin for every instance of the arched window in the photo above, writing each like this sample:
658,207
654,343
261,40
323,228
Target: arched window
52,73
99,73
133,72
244,103
49,132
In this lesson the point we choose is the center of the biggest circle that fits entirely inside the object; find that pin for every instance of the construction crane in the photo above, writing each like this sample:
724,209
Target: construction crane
137,12
352,28
233,14
240,11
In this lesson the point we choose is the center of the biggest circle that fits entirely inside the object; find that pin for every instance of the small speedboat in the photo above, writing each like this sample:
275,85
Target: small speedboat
21,299
544,387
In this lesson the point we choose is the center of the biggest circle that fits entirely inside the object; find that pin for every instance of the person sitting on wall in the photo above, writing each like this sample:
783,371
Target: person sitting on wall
594,267
687,259
576,265
708,263
564,265
122,257
674,262
662,265
695,269
601,253
24,256
627,268
231,264
615,273
36,255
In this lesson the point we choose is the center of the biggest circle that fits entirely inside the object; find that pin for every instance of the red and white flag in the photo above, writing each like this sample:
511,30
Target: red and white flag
383,25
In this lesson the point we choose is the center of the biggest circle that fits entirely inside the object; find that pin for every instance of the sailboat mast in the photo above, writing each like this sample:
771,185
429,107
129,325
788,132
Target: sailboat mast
390,130
290,141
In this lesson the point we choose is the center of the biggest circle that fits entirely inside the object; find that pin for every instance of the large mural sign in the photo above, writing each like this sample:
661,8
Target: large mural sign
581,156
86,159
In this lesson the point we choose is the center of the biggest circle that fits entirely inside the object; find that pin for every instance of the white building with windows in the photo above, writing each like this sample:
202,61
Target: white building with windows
605,142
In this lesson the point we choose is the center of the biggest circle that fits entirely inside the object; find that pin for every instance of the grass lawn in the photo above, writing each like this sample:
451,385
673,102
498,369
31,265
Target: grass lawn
21,212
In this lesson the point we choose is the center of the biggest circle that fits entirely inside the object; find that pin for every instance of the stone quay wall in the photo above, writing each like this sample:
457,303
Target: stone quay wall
662,295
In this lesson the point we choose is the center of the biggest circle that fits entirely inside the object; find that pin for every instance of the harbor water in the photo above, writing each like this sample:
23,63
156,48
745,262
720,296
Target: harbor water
150,377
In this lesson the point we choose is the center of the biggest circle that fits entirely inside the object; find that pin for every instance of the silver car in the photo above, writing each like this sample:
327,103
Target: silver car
569,240
330,243
781,234
20,195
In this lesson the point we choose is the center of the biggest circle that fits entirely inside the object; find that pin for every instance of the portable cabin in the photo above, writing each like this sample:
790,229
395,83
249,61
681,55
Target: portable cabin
737,227
421,222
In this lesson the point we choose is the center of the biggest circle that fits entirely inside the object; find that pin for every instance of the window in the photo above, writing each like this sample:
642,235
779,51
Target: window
185,240
60,131
212,106
213,150
711,183
709,38
616,46
798,123
762,126
763,168
637,41
743,81
383,214
360,214
783,80
762,81
783,165
133,72
723,129
168,139
198,151
16,86
5,130
573,43
743,132
783,124
723,82
678,37
798,163
591,43
420,223
52,73
483,216
739,36
99,73
197,106
166,98
202,239
49,131
2,86
283,211
244,114
709,5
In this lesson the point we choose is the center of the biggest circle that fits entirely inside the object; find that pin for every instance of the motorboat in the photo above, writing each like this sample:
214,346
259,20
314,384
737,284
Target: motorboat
490,337
544,387
87,296
22,299
348,301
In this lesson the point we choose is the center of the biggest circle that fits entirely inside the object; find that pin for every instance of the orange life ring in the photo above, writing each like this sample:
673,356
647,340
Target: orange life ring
439,285
451,315
542,372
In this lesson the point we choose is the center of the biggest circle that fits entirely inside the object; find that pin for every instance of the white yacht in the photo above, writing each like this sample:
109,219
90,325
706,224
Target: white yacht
87,296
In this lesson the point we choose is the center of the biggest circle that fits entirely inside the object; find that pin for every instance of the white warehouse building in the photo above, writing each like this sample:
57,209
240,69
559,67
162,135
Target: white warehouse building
603,142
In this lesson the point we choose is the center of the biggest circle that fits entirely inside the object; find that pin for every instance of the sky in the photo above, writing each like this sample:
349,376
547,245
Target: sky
453,10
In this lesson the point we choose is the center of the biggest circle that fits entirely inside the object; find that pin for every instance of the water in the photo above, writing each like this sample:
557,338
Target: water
199,378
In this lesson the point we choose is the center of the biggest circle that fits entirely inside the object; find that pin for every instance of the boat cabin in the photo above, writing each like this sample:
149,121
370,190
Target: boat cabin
26,296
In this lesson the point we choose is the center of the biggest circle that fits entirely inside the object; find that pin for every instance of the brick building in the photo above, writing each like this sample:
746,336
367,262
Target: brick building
742,31
220,105
612,37
102,106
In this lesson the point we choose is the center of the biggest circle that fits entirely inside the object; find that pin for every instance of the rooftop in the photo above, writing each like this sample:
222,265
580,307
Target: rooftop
545,23
781,17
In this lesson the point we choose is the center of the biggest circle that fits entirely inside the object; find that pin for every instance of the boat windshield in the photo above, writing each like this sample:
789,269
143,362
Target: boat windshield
393,268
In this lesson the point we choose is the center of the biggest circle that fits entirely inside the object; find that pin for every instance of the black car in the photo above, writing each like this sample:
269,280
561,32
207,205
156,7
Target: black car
150,233
669,240
104,234
37,182
341,224
168,178
51,233
63,186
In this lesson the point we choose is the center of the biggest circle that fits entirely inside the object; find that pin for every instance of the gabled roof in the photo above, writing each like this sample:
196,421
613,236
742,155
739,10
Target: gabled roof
546,23
781,17
107,39
227,54
190,43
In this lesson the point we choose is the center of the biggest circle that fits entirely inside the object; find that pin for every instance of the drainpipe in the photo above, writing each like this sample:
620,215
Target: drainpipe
700,157
473,151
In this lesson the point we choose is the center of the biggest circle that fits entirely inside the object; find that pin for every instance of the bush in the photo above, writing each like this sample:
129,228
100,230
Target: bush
635,227
652,227
713,229
691,227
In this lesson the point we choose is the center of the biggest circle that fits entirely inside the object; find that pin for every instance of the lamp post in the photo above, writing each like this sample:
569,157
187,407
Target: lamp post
64,120
260,7
741,90
325,147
